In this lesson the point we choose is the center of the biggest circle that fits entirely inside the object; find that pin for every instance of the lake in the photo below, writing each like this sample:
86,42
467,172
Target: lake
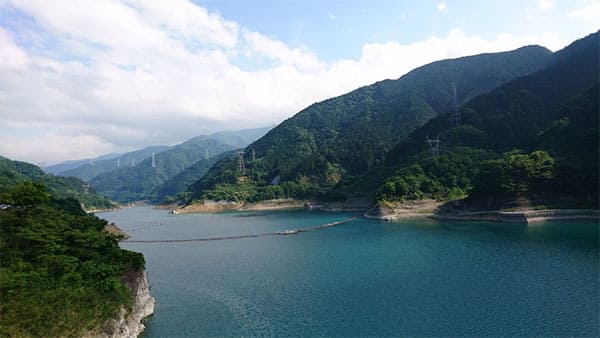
365,278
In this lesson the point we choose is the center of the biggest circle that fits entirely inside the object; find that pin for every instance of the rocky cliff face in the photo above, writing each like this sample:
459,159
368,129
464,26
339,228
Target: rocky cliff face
129,325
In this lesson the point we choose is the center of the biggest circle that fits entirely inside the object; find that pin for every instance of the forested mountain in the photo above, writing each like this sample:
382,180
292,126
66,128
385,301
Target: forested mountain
142,181
550,116
13,173
167,192
351,134
91,169
62,275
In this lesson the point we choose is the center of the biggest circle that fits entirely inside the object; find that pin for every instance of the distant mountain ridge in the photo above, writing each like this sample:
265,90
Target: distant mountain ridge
56,169
90,169
351,134
141,181
15,172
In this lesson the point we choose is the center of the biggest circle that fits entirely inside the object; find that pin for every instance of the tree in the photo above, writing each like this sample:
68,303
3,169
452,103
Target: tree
28,193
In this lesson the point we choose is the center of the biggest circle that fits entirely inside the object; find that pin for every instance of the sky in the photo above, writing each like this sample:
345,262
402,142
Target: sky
79,79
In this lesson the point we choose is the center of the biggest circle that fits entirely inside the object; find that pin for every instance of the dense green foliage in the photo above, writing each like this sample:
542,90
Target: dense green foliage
15,172
350,135
554,110
60,274
174,188
87,171
447,177
142,182
515,175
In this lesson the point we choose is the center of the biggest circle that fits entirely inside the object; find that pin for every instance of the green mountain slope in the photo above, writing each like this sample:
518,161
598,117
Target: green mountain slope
91,169
143,182
61,274
16,172
179,183
532,113
351,134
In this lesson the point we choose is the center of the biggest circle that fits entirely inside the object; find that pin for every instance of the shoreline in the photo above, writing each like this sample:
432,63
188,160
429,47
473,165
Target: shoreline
211,206
390,211
522,216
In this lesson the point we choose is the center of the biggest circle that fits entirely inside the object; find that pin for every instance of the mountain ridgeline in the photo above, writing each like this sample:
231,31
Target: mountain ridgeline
93,168
145,182
13,173
351,134
535,137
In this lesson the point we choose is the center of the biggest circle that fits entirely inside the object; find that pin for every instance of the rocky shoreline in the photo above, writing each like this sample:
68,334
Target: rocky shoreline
129,324
359,204
523,216
210,206
395,211
389,211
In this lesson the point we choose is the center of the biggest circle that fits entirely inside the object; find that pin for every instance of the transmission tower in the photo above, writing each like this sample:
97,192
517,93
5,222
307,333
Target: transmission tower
206,155
455,117
241,164
253,155
434,146
153,161
118,163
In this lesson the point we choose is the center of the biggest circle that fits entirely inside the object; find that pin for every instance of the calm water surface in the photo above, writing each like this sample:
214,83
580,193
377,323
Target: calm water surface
366,278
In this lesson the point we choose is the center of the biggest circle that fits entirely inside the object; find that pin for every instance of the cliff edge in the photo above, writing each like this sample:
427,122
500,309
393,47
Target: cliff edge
129,324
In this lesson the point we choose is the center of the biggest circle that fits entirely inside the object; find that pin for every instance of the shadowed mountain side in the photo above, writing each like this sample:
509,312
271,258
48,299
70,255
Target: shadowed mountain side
534,138
351,134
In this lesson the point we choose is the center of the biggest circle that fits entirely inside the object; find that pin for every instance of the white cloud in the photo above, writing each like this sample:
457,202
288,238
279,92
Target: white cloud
158,74
441,7
546,4
589,13
11,56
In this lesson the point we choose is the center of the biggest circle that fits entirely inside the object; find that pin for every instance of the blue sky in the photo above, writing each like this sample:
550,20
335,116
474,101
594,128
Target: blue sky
83,78
337,29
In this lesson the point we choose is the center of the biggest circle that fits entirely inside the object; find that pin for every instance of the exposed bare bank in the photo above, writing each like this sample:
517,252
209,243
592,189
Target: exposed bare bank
393,211
210,206
129,325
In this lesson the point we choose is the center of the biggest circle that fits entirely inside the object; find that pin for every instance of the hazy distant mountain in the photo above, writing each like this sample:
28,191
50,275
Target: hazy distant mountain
72,164
140,181
350,134
90,169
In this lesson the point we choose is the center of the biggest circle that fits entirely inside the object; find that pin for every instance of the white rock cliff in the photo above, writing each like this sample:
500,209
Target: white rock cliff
129,325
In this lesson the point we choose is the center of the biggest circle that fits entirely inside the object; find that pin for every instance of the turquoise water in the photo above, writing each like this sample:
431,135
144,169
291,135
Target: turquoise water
366,278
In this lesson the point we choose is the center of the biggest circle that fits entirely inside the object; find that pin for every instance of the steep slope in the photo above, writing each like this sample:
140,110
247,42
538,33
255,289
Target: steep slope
62,275
93,168
13,173
179,183
351,134
138,182
511,115
142,181
531,113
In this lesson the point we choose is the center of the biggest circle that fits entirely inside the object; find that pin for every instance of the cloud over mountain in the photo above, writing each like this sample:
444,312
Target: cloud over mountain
115,75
